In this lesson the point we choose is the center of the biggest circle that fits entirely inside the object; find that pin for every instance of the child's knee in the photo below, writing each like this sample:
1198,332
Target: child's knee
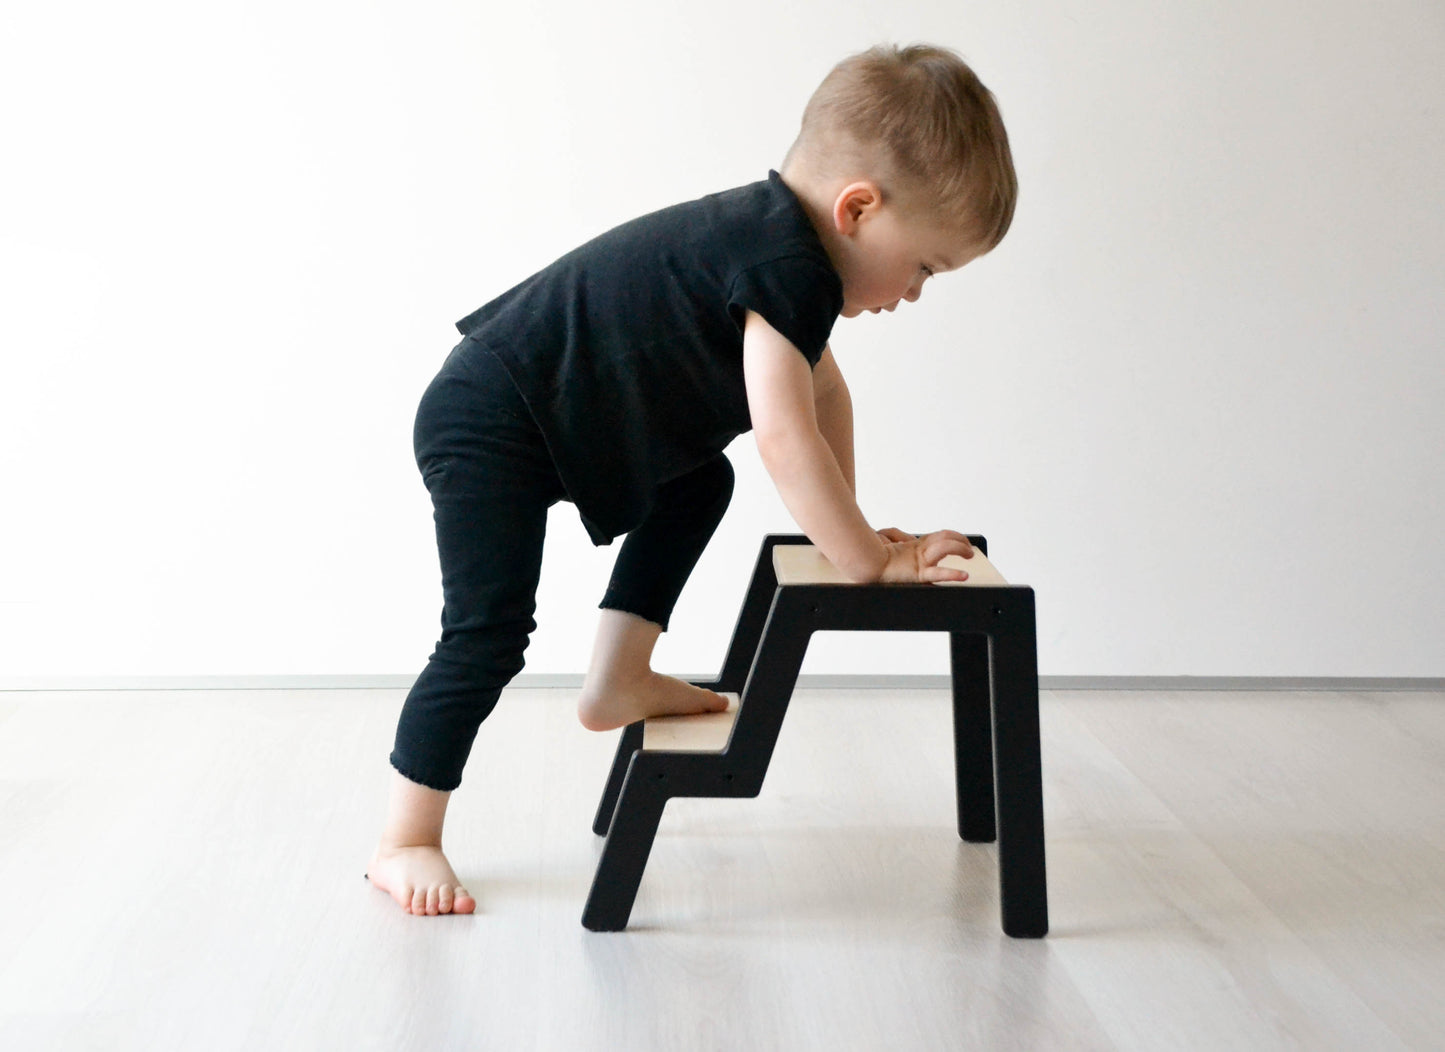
705,491
487,656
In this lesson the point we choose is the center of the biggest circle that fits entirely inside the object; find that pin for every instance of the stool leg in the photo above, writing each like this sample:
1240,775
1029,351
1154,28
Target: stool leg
654,778
1022,882
752,617
972,736
629,743
624,857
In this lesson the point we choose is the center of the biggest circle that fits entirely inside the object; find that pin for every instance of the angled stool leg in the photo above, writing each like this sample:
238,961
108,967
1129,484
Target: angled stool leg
655,777
624,857
972,735
628,743
774,675
739,659
753,615
1018,771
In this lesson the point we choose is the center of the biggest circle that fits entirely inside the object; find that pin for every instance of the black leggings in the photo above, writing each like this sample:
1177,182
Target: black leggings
491,482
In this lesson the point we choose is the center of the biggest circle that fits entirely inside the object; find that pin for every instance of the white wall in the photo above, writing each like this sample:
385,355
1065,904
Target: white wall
1194,398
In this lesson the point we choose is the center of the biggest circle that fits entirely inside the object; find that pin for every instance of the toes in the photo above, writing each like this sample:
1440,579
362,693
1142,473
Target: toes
444,898
463,901
418,901
710,702
433,897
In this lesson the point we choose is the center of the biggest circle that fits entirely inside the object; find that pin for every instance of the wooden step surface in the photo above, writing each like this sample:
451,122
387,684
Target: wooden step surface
805,564
707,732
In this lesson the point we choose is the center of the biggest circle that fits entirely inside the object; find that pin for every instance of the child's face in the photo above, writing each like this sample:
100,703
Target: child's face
888,255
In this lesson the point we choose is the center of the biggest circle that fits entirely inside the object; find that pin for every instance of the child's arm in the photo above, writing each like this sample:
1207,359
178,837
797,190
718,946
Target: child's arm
782,401
834,408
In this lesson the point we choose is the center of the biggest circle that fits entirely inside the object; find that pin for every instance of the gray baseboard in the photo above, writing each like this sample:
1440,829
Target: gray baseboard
814,682
1246,683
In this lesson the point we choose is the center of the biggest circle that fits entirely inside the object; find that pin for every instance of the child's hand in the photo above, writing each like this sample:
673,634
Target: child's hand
892,535
915,559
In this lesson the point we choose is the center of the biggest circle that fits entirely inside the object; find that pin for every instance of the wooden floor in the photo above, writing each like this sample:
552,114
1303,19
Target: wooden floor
183,870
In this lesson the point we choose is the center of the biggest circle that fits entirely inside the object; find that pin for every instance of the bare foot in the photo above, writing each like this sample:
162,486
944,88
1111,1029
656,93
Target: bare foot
420,879
605,706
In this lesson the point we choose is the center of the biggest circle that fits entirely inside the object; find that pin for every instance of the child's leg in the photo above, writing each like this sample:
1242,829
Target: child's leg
491,484
409,863
651,569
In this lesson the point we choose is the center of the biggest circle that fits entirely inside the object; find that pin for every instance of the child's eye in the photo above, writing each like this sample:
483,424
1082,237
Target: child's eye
926,270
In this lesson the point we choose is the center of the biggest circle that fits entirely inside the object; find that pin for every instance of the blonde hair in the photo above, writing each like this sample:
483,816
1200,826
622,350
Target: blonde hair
919,121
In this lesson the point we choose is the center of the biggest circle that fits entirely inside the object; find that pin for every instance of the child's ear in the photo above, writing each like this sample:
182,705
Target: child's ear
856,203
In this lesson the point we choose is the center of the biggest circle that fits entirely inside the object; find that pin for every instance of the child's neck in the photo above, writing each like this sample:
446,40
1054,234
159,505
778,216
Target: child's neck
817,199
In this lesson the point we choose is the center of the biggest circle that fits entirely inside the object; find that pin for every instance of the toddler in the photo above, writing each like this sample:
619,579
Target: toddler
615,377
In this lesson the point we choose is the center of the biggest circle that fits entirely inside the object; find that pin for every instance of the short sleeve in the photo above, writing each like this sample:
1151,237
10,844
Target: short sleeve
800,296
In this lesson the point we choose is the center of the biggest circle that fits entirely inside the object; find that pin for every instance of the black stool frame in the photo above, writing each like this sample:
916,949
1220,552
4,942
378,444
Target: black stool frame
994,663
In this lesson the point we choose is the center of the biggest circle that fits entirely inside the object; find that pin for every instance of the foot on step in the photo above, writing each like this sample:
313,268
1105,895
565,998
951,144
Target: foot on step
420,879
607,706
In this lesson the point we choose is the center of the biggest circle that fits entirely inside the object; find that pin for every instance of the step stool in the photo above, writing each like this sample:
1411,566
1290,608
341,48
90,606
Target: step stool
794,593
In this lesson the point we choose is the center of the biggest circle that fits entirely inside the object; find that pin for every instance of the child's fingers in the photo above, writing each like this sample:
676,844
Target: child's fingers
967,546
945,542
935,574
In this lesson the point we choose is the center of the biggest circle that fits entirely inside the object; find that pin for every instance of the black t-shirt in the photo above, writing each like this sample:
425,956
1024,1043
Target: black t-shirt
628,350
